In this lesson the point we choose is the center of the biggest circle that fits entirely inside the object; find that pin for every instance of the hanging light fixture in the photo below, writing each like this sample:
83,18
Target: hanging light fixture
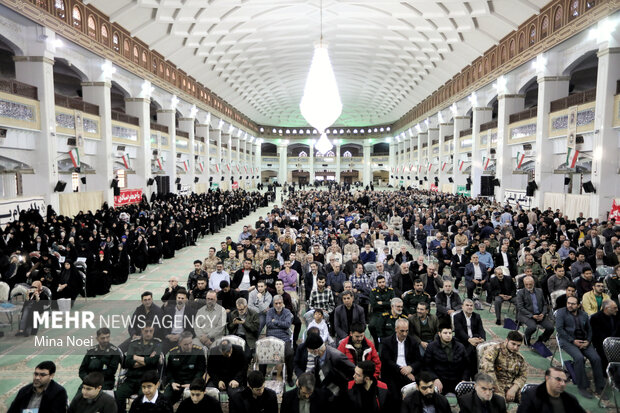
321,105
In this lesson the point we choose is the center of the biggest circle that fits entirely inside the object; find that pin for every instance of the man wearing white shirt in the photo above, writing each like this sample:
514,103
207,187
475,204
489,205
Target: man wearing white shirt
217,277
150,384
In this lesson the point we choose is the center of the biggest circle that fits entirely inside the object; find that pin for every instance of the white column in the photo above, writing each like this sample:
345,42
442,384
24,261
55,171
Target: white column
337,161
227,140
392,147
216,135
423,140
311,161
367,171
166,117
283,171
417,169
202,130
187,125
38,71
98,93
460,124
605,146
258,161
140,108
481,115
506,106
445,129
234,159
549,89
413,141
433,134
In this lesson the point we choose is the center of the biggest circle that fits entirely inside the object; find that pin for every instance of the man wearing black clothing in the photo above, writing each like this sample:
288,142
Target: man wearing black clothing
305,397
193,276
393,372
148,311
227,367
482,398
469,331
503,290
44,395
255,398
550,395
457,268
198,401
425,399
604,324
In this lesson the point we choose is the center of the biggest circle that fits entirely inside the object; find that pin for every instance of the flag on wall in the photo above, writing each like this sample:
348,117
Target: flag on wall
228,166
246,169
430,166
461,165
217,168
520,158
186,165
444,166
615,210
201,165
485,163
571,157
160,163
126,160
410,167
75,157
238,168
419,168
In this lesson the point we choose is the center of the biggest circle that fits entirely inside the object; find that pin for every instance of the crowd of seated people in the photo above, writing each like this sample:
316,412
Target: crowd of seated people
320,260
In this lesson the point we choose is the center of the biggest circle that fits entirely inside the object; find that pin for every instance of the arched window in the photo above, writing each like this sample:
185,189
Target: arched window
330,154
92,27
590,4
161,69
59,9
77,17
154,65
557,19
493,61
116,43
42,4
532,34
503,55
574,10
167,73
104,35
479,70
347,154
144,57
544,27
511,48
302,154
521,42
136,55
126,49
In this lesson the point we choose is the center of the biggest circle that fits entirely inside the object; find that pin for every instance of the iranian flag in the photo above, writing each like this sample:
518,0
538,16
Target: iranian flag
392,169
228,166
201,165
160,163
571,157
461,165
410,167
615,210
238,168
126,161
485,163
246,169
419,168
520,158
75,157
444,166
217,168
186,165
430,166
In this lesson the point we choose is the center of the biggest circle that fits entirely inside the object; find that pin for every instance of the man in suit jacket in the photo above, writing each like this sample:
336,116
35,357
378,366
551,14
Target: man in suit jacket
506,259
346,311
532,311
604,324
468,331
332,369
394,374
54,396
172,331
444,256
482,399
255,397
476,275
244,279
457,268
304,393
295,265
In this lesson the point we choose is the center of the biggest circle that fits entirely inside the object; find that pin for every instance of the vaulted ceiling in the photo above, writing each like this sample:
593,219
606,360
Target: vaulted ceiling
388,55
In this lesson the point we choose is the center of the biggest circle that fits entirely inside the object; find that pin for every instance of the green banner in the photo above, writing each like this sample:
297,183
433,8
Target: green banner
462,190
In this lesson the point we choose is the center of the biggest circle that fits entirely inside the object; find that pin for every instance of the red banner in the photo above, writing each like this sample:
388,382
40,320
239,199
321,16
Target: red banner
128,196
615,211
235,185
434,188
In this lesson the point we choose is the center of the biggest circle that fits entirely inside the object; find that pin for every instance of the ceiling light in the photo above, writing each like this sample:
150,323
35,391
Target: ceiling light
323,145
262,129
388,128
342,131
280,131
273,130
288,131
294,131
369,130
376,130
355,131
307,131
327,132
382,129
315,131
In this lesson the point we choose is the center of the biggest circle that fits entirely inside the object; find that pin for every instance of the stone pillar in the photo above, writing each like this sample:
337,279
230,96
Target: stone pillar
392,162
140,108
445,129
460,124
506,106
98,93
216,135
234,159
258,161
311,161
38,71
283,171
549,89
423,140
228,167
605,145
433,134
367,171
187,125
202,130
481,115
166,117
337,177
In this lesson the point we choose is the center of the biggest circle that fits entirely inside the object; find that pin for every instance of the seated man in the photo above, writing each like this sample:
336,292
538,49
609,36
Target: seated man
544,397
304,397
35,302
198,296
144,354
244,323
469,331
104,358
186,362
346,314
255,397
411,298
170,294
482,398
279,321
476,275
532,311
91,399
210,321
592,301
424,326
147,311
425,399
506,365
199,401
400,358
503,288
259,301
180,318
227,366
447,301
152,400
558,281
365,386
322,298
604,324
387,324
358,348
446,358
575,337
193,276
571,291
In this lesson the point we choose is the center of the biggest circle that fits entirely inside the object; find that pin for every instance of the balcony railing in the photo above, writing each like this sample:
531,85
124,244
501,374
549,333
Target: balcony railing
182,134
14,87
158,127
526,114
572,100
487,126
465,132
122,117
76,103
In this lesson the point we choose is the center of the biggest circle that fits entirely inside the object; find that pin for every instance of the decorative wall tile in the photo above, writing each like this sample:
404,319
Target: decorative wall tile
124,133
16,110
65,120
585,117
523,131
91,125
561,122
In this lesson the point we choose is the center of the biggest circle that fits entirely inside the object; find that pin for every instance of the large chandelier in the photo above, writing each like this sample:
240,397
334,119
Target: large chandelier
321,105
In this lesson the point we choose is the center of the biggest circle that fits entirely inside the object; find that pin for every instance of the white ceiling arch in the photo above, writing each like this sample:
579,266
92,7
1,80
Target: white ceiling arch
388,55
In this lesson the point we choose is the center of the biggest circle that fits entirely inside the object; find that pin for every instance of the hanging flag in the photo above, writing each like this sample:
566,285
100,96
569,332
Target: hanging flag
444,166
615,210
485,163
186,165
461,165
410,167
419,168
160,163
217,168
201,165
75,157
430,166
520,158
228,166
126,160
238,168
571,157
246,169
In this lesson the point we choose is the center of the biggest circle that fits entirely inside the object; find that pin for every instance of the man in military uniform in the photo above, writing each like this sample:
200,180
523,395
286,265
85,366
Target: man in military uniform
210,262
186,362
504,363
411,298
104,358
380,298
144,354
387,323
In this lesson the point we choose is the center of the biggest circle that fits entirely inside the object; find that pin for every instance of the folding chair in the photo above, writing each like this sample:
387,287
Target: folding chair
555,295
611,347
271,350
527,387
464,387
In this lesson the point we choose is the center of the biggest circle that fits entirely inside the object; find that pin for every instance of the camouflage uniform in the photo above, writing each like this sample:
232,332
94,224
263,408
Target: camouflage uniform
231,265
506,367
209,264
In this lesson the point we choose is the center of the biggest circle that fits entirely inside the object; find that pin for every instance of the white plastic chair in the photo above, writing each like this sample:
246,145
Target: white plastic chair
271,350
